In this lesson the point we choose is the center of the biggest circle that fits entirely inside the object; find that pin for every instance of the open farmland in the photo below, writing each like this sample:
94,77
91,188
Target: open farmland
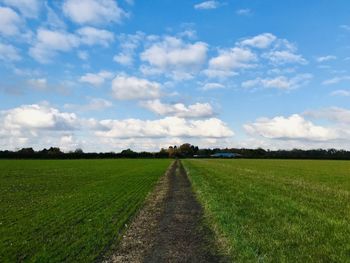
72,210
276,210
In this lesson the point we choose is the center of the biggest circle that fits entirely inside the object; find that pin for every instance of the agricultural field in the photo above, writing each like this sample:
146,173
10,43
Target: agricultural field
69,210
276,210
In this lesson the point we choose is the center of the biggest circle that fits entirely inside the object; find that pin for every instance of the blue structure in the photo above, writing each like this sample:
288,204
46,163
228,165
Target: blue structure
225,155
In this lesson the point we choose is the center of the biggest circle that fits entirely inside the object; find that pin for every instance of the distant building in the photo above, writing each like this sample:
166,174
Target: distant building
225,155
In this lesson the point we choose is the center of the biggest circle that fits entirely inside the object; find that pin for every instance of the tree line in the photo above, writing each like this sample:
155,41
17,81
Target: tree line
183,151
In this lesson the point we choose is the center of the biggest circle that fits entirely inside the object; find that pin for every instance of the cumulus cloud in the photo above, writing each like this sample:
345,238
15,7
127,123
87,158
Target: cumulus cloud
41,125
38,126
281,57
294,127
333,114
93,11
260,41
94,104
230,60
10,22
128,44
280,82
197,110
124,59
325,58
213,85
93,36
248,53
175,56
207,5
37,117
49,42
28,8
167,127
132,88
96,79
9,53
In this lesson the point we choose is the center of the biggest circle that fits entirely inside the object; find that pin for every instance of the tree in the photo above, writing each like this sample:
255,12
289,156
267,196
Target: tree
186,150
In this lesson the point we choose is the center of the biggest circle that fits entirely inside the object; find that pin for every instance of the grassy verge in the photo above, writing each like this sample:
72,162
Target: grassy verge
56,211
277,211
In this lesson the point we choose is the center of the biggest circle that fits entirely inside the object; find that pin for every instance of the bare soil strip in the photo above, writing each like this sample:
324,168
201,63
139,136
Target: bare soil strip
169,228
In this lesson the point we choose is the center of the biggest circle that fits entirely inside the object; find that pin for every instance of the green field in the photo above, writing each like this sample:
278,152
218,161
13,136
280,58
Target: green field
71,210
276,210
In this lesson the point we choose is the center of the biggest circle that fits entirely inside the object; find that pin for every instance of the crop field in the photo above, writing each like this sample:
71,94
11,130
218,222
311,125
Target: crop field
276,210
71,210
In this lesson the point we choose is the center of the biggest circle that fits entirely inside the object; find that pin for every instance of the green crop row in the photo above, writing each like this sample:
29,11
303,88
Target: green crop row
71,210
276,210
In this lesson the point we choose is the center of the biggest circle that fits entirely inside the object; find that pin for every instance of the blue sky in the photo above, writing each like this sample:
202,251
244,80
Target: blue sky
105,75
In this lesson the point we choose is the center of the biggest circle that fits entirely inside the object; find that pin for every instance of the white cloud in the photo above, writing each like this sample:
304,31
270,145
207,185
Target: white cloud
36,125
260,41
36,117
9,53
341,92
228,61
175,56
212,85
96,79
325,58
28,8
207,5
9,22
92,36
197,110
40,125
57,40
49,42
294,127
53,20
335,80
94,104
128,44
334,114
244,12
221,74
83,55
39,83
132,88
68,143
280,82
281,57
124,59
93,11
164,128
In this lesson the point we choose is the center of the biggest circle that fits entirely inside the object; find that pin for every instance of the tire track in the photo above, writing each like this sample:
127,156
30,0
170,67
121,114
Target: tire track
169,228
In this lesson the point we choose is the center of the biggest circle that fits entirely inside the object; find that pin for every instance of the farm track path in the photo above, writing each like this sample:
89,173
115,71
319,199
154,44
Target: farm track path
169,228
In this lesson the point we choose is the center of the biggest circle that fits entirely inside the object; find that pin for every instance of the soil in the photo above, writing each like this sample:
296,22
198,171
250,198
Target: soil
170,227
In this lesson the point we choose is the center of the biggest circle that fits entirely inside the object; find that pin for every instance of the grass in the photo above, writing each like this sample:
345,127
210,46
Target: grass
276,210
71,210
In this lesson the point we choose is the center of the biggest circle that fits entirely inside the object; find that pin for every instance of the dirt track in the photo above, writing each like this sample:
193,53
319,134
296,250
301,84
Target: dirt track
169,227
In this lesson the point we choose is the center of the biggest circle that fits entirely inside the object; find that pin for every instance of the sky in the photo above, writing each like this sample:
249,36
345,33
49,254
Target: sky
106,75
